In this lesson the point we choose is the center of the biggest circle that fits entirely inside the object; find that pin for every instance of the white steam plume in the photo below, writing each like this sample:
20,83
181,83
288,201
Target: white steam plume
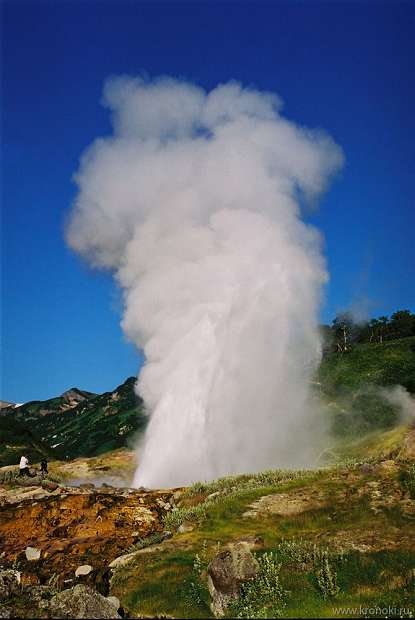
399,397
193,203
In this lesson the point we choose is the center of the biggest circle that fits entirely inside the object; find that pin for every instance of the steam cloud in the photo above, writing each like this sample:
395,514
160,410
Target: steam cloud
399,397
193,203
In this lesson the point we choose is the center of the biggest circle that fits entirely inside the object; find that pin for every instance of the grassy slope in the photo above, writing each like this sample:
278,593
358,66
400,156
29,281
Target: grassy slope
384,364
353,385
378,541
160,582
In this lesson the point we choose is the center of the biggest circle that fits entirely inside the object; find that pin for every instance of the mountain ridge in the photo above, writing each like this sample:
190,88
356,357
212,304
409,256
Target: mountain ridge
67,427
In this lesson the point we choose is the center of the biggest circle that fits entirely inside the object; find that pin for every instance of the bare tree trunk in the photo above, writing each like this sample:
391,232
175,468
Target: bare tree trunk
345,337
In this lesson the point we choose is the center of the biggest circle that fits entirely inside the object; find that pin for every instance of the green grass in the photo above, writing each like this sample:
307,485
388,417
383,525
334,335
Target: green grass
166,581
384,364
350,383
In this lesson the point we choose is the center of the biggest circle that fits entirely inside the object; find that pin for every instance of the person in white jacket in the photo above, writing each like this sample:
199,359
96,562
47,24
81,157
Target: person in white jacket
24,466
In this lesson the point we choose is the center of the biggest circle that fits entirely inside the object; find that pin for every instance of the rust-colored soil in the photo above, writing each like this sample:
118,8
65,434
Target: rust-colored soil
72,527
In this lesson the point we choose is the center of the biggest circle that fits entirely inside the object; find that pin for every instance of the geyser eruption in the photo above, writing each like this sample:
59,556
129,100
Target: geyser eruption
193,202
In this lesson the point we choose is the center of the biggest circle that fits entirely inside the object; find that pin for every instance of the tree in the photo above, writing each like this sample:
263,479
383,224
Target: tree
373,329
383,323
402,324
343,328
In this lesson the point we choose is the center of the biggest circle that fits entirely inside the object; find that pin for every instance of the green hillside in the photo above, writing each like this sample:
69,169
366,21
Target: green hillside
336,538
18,439
95,425
389,363
355,385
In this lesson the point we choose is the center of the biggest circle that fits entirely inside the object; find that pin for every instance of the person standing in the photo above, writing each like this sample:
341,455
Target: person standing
43,468
24,466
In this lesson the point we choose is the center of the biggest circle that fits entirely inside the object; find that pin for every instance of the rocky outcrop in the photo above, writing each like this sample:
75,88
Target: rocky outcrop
81,602
75,396
9,584
44,534
33,601
285,504
227,571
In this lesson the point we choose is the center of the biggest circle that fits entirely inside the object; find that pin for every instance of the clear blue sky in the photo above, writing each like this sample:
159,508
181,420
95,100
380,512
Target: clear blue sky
347,67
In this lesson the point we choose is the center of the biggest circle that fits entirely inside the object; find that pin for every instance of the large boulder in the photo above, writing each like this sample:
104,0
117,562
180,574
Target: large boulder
6,612
9,584
81,602
227,571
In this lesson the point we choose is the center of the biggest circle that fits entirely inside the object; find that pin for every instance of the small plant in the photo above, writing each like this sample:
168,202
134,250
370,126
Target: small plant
326,577
177,516
246,482
264,596
308,556
295,552
196,590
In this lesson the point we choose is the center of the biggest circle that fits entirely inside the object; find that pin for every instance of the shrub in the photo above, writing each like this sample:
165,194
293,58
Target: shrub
327,578
262,597
173,519
196,591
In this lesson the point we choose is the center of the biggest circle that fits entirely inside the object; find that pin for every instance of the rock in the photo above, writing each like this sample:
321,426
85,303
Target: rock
87,485
31,481
253,542
226,572
366,468
186,526
9,583
38,593
5,612
114,601
85,569
165,505
122,560
32,554
49,485
213,495
74,527
81,602
284,504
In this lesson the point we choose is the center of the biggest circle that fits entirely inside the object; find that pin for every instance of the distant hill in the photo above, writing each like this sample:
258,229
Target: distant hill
4,404
77,423
80,423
